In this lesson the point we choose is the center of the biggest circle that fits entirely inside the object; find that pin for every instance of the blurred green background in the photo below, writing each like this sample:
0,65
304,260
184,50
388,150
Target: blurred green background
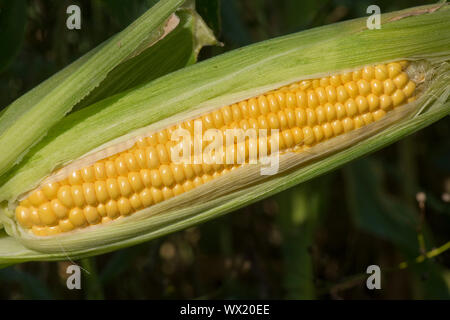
314,241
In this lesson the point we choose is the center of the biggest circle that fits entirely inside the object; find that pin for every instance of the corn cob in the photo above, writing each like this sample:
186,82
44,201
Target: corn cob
306,113
328,109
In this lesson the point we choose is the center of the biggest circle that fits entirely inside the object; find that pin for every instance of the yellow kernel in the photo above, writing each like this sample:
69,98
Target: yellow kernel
331,94
59,209
92,215
39,231
302,100
346,77
377,87
340,111
101,191
313,101
337,127
156,195
351,108
363,105
50,190
124,206
188,185
167,193
135,181
385,102
367,118
146,197
99,171
77,218
65,196
318,133
381,72
311,116
297,133
282,120
398,97
330,111
112,209
152,158
300,117
342,94
77,196
110,169
352,89
88,174
101,208
373,101
124,186
135,202
113,188
368,73
358,121
308,135
23,216
34,217
66,225
131,162
327,130
324,82
121,166
320,115
348,124
377,115
356,75
177,190
89,194
363,87
53,230
273,103
408,90
389,86
394,69
37,197
335,80
75,178
401,80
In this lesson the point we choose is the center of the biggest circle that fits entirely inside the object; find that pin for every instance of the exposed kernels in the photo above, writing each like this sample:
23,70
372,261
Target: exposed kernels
346,77
124,206
254,123
141,143
177,190
324,82
167,193
320,114
198,169
66,225
101,209
166,175
131,162
121,166
311,117
368,73
290,115
273,103
205,178
321,95
156,178
244,109
308,135
351,108
287,138
188,185
327,130
290,100
281,99
352,89
385,102
163,155
188,171
330,111
358,122
381,72
99,171
348,124
218,118
363,87
92,215
335,80
34,217
363,105
23,216
88,174
367,118
398,97
340,111
313,101
315,83
135,202
77,218
394,69
297,133
152,139
53,230
337,127
272,121
401,80
189,125
89,194
282,120
226,114
377,87
111,209
377,115
318,133
37,198
263,105
146,197
356,75
262,122
373,102
106,220
65,196
50,190
113,188
302,100
236,112
305,84
75,178
207,122
408,90
39,231
331,94
135,181
389,86
342,94
253,108
110,169
77,196
300,117
146,177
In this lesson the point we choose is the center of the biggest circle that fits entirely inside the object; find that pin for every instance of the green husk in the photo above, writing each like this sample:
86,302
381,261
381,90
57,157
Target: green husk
414,34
